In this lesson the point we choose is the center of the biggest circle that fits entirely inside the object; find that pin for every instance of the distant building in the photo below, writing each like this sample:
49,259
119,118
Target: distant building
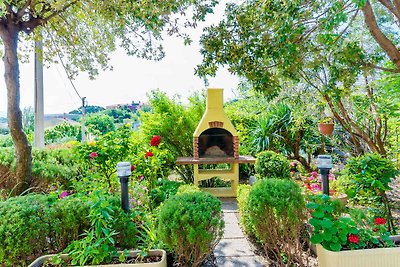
134,107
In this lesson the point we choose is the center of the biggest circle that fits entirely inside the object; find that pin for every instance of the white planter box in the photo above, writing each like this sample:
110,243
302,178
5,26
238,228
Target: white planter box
159,252
377,257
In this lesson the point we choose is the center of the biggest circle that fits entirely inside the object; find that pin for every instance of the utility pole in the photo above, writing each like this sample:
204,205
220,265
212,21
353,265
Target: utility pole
39,109
83,119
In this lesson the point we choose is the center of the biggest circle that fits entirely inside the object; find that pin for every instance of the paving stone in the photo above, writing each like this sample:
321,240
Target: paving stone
232,231
229,204
231,218
238,262
233,247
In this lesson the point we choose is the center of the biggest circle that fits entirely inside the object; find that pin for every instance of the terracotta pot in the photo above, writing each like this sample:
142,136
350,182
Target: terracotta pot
387,257
156,252
341,196
326,128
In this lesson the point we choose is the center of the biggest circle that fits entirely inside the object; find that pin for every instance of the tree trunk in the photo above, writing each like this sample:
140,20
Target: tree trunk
9,35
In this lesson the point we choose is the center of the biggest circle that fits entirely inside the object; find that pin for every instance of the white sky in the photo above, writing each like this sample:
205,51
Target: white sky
130,79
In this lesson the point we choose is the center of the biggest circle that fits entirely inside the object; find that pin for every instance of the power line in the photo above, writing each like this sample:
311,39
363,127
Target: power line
63,65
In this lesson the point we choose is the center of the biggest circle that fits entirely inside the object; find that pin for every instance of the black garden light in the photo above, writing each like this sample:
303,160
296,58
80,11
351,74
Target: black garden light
324,163
123,173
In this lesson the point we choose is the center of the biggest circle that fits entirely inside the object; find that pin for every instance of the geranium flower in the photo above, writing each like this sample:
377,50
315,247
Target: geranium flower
63,195
93,155
380,220
316,187
353,238
155,141
149,154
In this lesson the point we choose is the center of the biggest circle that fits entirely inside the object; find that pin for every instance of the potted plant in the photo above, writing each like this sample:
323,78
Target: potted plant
348,238
97,247
326,125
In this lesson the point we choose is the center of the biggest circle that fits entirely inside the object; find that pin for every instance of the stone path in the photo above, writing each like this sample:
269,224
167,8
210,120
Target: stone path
234,250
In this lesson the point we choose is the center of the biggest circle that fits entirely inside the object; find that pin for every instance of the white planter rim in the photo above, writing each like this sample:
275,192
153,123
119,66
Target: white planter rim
162,263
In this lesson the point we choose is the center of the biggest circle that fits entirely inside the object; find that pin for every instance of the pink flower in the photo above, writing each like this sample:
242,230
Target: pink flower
331,177
380,220
353,238
314,174
63,195
93,155
141,178
149,154
155,141
316,187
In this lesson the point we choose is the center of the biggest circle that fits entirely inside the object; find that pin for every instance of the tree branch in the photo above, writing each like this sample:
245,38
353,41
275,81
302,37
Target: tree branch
55,13
21,12
377,117
389,5
379,36
397,5
382,68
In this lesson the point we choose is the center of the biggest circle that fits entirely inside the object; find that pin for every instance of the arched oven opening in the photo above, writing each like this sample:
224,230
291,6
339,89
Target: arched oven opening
216,142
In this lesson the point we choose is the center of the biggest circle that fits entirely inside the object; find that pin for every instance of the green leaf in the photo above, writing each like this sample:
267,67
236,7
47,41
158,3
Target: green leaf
335,247
318,214
326,223
317,238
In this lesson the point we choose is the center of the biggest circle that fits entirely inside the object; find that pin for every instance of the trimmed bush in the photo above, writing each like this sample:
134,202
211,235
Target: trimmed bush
191,225
272,165
277,210
187,188
243,205
34,225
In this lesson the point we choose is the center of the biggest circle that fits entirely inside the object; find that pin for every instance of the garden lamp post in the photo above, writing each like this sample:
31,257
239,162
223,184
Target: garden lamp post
123,173
324,163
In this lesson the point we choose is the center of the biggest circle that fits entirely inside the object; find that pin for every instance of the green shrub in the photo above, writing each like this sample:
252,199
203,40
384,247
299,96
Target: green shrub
187,188
243,205
167,119
277,210
6,140
49,166
103,155
272,165
34,225
62,133
191,225
368,178
55,165
163,190
7,156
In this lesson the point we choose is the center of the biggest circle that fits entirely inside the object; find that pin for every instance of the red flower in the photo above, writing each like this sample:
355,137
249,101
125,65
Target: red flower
380,220
93,155
149,154
353,238
132,168
155,141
